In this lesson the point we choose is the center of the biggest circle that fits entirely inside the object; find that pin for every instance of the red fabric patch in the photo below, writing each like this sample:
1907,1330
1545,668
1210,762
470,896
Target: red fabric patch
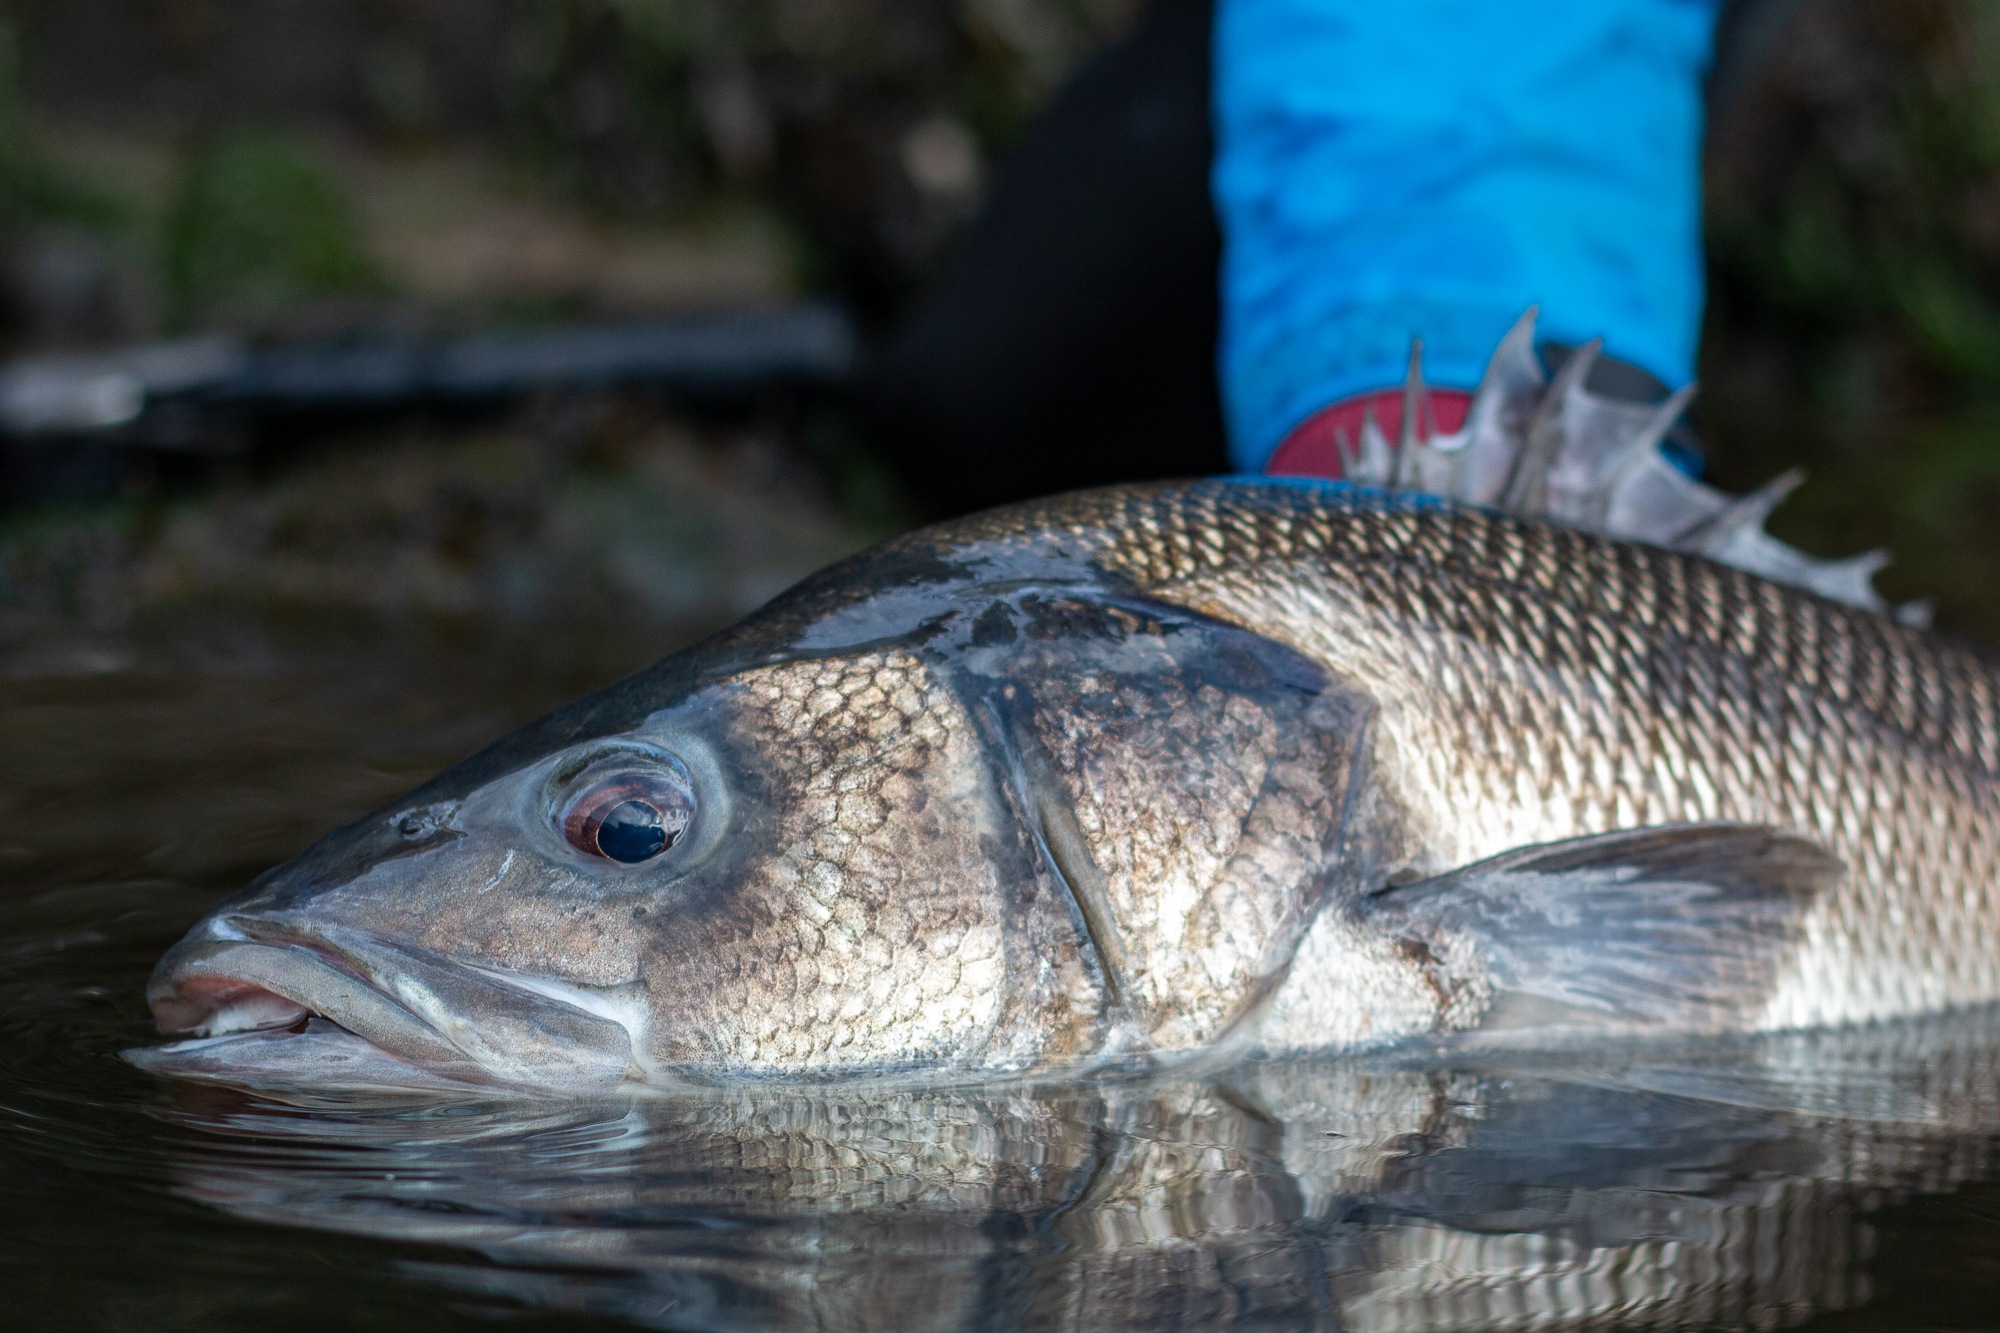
1311,451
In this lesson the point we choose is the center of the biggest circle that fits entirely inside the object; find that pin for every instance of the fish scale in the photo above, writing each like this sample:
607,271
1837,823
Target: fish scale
1770,697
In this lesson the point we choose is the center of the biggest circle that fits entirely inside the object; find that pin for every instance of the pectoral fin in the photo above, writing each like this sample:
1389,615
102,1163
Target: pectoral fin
1684,925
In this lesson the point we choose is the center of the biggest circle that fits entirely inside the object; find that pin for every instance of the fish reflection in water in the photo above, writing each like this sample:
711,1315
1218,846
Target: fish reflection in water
1712,1186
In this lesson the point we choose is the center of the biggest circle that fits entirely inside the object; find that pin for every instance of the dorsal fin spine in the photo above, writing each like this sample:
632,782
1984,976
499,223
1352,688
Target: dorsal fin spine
1522,429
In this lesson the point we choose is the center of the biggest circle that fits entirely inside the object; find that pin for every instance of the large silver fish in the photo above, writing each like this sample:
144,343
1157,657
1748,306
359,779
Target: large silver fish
1157,772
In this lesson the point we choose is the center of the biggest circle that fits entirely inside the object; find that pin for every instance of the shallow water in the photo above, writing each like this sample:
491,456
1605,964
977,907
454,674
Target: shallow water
1839,1180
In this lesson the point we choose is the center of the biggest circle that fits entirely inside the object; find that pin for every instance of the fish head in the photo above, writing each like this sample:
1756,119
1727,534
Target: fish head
787,867
983,811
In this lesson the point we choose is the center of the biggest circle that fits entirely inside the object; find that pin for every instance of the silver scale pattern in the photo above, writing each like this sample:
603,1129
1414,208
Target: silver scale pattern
1539,682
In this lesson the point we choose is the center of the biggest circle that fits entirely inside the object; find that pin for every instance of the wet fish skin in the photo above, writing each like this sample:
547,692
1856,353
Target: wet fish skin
1537,683
1114,772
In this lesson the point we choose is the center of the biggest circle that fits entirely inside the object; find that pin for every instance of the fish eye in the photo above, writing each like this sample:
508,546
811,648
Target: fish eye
627,810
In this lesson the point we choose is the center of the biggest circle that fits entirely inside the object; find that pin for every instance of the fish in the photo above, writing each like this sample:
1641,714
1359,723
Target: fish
1533,738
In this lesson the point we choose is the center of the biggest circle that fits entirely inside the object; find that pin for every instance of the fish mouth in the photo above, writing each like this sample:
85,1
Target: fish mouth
236,975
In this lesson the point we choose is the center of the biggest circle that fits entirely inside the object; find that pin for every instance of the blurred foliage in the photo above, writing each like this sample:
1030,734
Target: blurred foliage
866,125
256,223
34,186
1854,310
821,108
1853,211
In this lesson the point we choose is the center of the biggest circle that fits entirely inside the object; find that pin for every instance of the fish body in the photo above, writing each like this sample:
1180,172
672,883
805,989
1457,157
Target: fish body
1160,771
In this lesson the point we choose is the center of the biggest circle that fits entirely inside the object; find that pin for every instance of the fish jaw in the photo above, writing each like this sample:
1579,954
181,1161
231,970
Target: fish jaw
453,936
237,974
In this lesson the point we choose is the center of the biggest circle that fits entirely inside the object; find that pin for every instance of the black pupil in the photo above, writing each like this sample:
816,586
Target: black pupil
632,831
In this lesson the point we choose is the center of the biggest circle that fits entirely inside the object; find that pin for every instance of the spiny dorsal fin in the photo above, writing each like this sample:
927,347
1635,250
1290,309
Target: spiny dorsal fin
1553,449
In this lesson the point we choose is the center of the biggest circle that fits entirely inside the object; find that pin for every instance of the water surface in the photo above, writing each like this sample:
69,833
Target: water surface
1846,1180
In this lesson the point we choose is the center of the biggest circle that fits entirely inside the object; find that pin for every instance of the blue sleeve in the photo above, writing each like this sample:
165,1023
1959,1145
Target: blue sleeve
1390,168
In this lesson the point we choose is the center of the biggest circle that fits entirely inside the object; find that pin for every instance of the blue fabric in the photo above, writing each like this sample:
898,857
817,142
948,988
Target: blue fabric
1390,168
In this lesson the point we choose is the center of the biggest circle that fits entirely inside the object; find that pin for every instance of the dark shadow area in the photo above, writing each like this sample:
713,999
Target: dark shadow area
1071,340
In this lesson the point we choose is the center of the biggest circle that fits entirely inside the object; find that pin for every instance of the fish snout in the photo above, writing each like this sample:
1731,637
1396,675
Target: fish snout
237,974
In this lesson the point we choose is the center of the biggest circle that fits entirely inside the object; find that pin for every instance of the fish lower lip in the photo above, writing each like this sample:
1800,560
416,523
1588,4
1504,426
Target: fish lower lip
416,1006
213,987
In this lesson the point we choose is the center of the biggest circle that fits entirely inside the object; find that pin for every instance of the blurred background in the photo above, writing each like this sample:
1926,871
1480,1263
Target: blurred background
371,172
229,624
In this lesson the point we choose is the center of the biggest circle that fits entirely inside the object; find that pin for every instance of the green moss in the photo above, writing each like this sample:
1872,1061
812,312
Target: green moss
257,222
